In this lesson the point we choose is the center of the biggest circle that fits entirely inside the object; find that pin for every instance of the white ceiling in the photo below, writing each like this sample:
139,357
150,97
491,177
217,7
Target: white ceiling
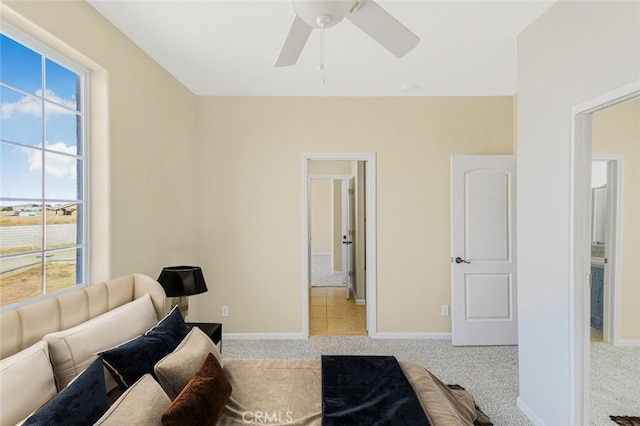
229,47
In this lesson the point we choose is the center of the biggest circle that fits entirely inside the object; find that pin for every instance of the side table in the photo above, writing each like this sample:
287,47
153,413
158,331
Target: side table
211,329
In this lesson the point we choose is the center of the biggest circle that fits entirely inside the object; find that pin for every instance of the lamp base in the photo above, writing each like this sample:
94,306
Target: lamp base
183,305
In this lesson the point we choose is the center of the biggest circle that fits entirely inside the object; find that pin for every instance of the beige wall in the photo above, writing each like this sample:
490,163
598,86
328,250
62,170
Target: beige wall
143,145
321,216
249,156
616,130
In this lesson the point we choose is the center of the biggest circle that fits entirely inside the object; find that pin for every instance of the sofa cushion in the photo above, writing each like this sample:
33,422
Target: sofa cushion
141,404
176,369
202,401
19,396
135,358
81,403
72,350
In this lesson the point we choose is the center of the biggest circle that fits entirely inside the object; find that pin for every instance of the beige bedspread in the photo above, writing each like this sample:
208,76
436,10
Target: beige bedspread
288,392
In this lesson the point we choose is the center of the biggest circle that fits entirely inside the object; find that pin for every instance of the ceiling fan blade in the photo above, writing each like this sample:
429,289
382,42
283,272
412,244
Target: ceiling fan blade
293,45
383,28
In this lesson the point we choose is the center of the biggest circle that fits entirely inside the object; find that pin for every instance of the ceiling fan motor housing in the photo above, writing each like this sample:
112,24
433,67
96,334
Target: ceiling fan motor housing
314,12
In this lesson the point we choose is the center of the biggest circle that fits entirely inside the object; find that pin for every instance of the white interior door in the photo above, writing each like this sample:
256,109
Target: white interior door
347,237
483,250
345,233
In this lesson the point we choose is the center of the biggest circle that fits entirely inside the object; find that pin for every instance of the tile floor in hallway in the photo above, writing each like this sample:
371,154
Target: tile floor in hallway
331,314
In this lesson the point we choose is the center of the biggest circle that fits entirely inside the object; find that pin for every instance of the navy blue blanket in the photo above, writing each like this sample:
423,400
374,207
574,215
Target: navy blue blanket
368,390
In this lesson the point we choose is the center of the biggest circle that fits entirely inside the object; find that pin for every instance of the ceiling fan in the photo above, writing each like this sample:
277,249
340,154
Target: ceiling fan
365,14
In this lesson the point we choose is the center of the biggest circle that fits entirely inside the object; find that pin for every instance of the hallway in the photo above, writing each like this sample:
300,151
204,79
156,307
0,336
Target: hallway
331,314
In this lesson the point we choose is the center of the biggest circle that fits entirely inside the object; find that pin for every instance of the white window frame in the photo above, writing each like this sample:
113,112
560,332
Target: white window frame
49,53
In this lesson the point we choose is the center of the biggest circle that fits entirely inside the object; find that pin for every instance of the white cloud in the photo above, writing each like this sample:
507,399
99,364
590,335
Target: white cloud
57,165
33,106
25,105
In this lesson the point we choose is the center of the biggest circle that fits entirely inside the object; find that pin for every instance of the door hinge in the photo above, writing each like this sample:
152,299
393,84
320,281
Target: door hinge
606,260
351,191
351,273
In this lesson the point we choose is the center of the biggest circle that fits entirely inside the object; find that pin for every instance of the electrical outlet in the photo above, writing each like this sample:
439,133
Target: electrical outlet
445,310
225,311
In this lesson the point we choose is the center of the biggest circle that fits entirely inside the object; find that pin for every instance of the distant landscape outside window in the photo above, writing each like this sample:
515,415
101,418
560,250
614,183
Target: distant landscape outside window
42,201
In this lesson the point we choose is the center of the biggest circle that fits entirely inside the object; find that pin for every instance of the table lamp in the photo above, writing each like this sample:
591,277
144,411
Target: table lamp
181,282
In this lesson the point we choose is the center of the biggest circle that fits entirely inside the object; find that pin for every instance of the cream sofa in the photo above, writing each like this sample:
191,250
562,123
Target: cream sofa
106,314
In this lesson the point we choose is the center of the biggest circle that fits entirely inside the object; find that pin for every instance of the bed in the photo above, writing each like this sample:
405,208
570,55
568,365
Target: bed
290,392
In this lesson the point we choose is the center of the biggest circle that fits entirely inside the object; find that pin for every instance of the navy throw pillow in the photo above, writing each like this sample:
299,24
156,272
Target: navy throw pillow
83,402
135,358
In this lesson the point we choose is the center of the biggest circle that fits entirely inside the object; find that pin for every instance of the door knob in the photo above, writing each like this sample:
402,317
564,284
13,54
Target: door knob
347,242
461,260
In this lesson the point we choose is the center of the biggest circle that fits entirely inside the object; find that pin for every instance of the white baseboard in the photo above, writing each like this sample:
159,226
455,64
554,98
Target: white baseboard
299,336
320,253
627,342
263,336
411,335
361,302
529,412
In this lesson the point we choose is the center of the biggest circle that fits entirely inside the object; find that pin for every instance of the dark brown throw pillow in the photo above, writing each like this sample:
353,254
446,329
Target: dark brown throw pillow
202,400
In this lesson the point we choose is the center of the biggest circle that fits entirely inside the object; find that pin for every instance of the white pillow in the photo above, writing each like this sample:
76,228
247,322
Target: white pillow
142,404
72,350
176,369
26,383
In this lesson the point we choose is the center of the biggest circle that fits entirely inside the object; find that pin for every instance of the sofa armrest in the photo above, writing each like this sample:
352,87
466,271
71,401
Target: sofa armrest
142,285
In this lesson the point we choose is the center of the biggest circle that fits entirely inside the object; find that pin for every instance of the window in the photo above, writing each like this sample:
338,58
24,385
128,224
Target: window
43,170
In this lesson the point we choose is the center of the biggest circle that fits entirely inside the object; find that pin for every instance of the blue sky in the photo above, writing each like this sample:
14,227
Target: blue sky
21,167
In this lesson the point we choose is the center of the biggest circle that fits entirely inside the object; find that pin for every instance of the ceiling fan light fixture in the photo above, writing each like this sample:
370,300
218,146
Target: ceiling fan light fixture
310,11
367,15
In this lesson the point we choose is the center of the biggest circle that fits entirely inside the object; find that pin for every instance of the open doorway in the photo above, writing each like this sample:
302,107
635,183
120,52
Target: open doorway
615,273
346,183
598,382
337,300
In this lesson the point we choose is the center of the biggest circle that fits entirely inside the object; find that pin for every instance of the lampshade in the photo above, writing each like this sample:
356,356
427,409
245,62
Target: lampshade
178,281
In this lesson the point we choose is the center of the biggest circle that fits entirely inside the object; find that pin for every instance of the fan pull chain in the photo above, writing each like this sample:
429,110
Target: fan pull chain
322,22
321,66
